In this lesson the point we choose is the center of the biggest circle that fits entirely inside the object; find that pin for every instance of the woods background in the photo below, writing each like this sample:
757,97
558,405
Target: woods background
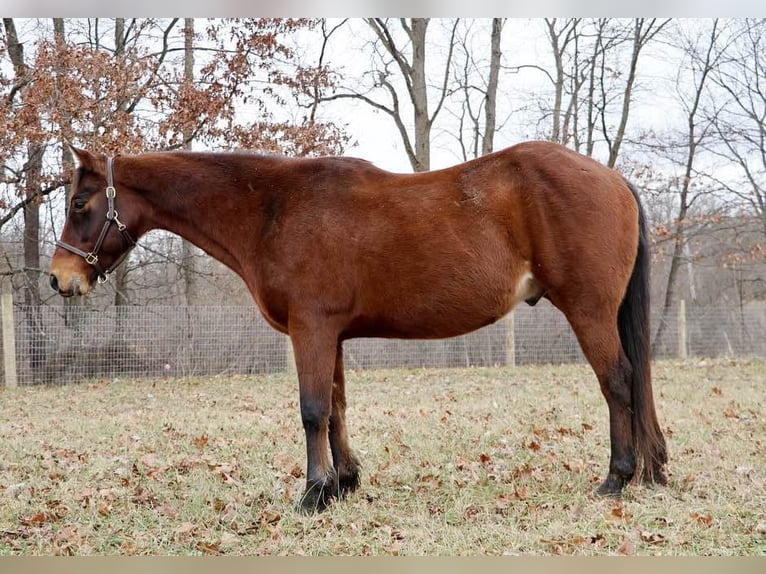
678,106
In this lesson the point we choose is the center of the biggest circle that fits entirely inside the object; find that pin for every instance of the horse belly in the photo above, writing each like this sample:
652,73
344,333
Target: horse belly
439,309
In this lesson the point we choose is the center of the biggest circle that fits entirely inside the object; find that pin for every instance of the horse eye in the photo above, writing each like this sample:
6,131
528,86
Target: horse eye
79,202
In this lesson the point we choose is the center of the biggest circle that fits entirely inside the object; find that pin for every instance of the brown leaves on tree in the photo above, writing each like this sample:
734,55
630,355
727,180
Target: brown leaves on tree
135,97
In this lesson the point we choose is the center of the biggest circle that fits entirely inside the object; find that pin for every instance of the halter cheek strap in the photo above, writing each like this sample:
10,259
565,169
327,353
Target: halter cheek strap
91,257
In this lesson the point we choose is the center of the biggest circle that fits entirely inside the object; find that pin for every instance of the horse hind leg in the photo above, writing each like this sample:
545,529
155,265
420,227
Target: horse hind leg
599,339
345,461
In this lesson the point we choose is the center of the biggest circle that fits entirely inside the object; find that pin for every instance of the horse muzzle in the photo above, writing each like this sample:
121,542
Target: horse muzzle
75,284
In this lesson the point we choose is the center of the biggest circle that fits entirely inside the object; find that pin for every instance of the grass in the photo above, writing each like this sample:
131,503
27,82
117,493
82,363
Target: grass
456,462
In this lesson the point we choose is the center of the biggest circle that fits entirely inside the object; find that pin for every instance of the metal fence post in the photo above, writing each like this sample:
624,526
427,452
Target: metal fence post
9,336
682,348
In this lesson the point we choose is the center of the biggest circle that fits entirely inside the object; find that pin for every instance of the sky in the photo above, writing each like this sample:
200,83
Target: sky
334,8
524,42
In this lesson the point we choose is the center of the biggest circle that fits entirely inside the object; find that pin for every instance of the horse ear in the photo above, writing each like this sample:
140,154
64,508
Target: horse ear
81,157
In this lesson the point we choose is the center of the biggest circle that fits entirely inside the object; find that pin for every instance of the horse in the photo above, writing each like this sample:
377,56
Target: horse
333,248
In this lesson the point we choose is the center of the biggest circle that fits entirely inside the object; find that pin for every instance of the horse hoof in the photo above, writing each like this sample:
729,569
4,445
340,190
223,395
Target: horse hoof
349,483
318,496
611,487
657,476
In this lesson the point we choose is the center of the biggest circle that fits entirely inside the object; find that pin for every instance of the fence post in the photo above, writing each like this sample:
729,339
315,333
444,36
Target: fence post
510,341
9,335
682,348
290,367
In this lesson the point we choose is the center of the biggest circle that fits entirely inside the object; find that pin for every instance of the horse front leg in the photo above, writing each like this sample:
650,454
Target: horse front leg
315,351
345,461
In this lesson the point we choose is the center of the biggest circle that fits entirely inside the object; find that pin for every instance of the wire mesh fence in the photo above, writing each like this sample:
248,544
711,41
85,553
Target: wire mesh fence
61,344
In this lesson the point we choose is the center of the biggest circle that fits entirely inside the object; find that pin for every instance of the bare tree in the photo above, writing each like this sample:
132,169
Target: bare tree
30,182
477,84
692,85
30,172
490,106
644,30
188,255
401,49
563,37
592,95
739,116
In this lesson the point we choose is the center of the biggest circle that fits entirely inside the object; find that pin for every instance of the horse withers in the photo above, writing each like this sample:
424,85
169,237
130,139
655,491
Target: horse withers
335,248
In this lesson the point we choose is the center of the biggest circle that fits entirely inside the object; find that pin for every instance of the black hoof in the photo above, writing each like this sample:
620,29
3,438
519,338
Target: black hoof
349,481
612,486
319,495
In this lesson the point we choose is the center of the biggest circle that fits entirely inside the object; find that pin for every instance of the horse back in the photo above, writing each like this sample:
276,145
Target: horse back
445,252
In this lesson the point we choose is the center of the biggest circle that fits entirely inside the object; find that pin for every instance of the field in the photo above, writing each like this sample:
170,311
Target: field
456,462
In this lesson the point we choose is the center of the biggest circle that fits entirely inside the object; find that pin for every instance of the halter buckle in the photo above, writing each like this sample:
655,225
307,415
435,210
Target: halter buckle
91,258
120,225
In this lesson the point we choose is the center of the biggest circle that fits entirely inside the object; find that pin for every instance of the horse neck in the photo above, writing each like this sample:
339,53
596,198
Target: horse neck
206,199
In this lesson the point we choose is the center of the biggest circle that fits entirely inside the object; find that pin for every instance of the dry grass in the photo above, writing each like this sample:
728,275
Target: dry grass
456,462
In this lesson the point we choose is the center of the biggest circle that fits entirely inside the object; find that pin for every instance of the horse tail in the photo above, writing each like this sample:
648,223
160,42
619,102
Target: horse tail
633,326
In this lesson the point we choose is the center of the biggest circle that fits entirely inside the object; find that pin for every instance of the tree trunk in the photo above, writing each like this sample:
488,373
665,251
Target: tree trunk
120,275
72,305
31,242
420,95
692,143
490,106
188,255
614,149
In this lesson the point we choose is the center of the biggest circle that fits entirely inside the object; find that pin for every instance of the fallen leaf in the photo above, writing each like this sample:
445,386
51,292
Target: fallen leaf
269,516
397,534
534,446
652,537
619,513
200,442
702,519
430,479
716,391
578,541
104,509
208,547
37,519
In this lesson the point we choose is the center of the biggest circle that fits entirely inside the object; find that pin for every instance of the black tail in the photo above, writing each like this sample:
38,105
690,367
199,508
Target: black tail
635,335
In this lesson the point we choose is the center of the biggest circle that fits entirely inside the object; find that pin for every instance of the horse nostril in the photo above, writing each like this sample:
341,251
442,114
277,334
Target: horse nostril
54,283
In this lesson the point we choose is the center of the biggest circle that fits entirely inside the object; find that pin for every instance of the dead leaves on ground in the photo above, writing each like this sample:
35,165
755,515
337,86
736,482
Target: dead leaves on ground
519,471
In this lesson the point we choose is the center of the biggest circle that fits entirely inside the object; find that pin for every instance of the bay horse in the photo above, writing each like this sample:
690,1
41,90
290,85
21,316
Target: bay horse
334,248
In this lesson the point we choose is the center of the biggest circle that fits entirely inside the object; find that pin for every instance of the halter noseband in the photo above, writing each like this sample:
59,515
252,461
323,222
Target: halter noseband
91,258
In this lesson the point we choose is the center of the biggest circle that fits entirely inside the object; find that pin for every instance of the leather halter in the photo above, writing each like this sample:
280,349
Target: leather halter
91,257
